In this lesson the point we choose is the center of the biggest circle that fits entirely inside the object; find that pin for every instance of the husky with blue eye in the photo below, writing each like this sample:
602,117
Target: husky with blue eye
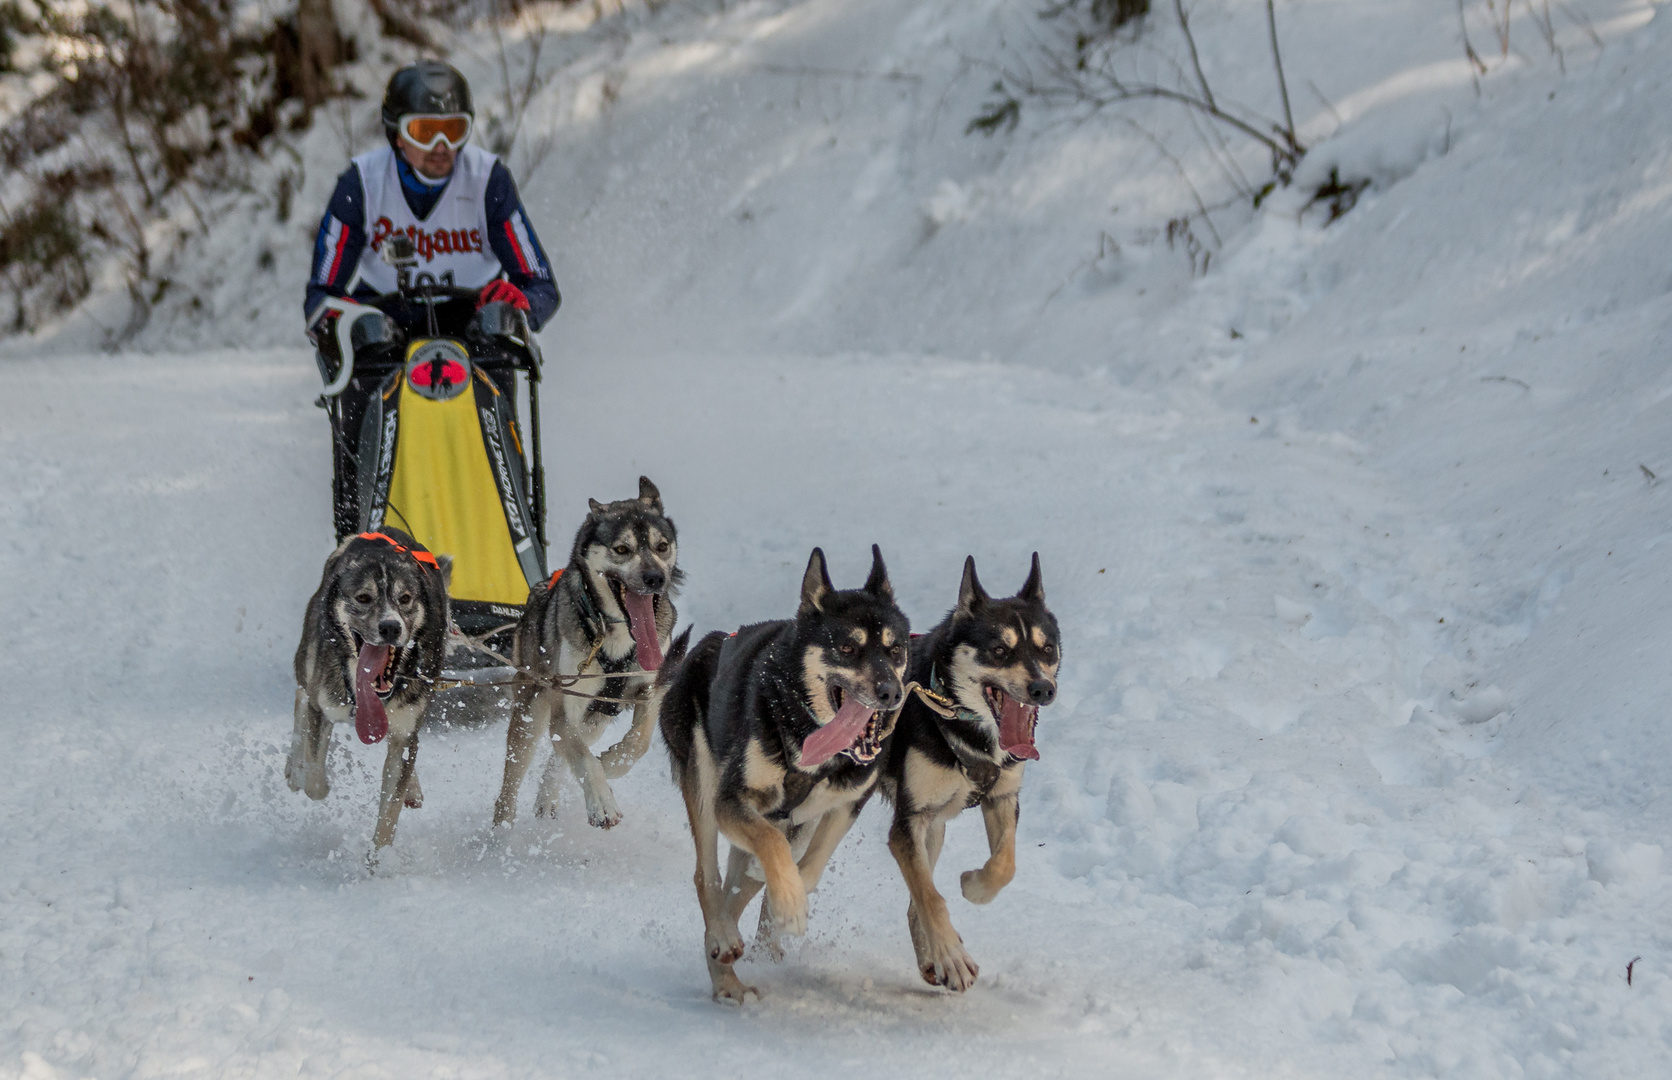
609,610
777,734
996,661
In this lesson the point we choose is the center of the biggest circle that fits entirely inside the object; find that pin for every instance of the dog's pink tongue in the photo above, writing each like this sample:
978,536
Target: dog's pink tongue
641,623
836,736
371,723
1016,728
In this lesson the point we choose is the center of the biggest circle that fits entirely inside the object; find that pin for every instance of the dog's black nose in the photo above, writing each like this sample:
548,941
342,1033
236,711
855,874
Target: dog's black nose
889,694
654,580
1042,691
391,630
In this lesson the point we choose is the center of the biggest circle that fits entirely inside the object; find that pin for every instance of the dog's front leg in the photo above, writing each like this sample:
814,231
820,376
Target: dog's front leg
999,815
633,745
398,767
784,891
304,770
520,737
827,835
941,959
300,735
601,809
411,793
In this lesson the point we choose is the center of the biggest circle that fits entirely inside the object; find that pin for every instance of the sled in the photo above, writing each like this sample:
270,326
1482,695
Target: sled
441,452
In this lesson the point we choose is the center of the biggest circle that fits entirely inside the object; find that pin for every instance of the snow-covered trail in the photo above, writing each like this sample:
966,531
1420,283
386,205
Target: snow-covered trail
1218,874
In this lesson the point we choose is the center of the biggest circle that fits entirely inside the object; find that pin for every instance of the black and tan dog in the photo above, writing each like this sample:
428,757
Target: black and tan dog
776,734
373,639
610,611
997,662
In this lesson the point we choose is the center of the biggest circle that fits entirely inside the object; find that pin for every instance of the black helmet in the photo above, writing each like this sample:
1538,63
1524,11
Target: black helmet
429,86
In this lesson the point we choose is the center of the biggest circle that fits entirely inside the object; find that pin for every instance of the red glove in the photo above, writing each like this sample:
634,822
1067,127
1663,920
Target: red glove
502,292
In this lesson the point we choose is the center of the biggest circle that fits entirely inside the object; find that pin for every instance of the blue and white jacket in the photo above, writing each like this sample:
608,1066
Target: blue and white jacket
468,230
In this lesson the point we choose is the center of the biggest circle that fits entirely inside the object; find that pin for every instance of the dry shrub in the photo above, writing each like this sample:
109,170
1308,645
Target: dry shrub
150,105
43,260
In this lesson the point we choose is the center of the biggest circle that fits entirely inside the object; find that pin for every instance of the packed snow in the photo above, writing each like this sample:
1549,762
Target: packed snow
1357,541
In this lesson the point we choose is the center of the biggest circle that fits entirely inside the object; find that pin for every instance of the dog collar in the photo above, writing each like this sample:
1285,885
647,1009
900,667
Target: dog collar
422,556
588,606
967,715
982,770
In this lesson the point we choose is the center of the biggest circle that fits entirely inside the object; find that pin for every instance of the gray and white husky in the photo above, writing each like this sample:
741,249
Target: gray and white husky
997,661
611,608
372,644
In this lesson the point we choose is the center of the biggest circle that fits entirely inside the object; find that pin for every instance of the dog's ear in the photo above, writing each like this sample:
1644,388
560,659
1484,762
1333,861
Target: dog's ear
595,506
445,564
877,584
649,495
1034,587
971,596
815,583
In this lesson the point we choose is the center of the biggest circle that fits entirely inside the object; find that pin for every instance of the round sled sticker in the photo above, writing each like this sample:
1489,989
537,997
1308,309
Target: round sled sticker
438,370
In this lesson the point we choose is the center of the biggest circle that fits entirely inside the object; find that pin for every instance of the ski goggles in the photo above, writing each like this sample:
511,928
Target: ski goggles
425,130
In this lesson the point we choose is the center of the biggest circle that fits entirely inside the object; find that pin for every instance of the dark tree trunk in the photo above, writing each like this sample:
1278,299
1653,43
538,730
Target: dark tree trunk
319,48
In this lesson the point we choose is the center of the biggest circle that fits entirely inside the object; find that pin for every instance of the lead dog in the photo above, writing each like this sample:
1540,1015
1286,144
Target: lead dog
611,610
373,638
997,662
775,735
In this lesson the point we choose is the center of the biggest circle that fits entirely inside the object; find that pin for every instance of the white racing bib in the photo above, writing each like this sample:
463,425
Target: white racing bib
451,243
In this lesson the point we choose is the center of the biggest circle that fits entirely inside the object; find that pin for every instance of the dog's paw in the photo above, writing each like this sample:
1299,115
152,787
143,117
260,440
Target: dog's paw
601,809
730,990
504,814
725,945
789,910
548,795
412,796
973,884
316,785
950,966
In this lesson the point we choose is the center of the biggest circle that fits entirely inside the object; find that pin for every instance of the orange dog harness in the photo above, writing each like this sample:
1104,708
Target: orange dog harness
422,556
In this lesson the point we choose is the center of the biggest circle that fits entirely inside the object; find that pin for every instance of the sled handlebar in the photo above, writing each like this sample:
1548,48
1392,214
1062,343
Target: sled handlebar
487,334
349,313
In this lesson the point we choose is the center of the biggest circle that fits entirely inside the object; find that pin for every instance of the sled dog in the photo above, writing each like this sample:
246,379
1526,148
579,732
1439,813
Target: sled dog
997,662
776,735
609,611
373,639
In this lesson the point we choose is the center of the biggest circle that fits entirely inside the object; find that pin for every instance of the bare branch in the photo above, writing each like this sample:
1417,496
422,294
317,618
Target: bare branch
1325,102
1282,83
1184,175
1477,65
1195,59
1546,27
1580,20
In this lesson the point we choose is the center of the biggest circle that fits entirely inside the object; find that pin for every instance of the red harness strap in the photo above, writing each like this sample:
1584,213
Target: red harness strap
422,556
551,583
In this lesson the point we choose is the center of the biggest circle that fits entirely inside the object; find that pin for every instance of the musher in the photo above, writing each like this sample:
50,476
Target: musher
456,202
